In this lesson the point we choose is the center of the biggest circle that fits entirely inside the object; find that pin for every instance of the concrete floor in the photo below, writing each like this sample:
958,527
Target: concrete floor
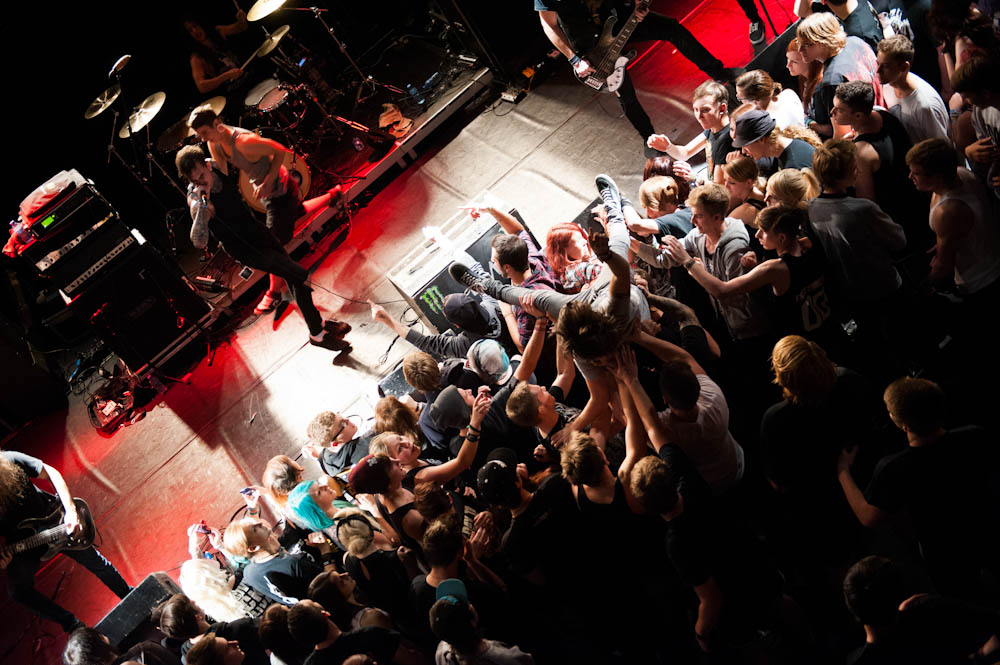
210,437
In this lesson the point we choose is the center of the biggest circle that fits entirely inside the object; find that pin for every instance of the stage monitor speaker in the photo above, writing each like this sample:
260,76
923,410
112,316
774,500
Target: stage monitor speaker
140,307
128,622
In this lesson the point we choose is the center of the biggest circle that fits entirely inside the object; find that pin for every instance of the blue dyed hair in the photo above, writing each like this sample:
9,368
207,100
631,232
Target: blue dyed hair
307,512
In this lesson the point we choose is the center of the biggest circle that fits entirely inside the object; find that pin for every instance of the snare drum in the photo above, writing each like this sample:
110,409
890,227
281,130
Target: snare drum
258,91
282,107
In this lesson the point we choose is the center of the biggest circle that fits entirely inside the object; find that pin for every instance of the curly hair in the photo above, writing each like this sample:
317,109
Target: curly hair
586,332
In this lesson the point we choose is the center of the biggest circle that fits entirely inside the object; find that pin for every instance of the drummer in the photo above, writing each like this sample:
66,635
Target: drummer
215,66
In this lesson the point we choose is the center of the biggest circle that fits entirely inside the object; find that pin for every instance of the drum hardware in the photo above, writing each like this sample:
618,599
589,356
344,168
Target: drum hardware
271,42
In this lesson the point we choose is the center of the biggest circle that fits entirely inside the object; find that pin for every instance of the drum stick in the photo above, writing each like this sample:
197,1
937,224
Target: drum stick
237,5
252,56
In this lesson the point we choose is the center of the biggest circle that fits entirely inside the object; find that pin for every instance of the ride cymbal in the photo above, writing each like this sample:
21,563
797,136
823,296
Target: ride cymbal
271,42
143,113
263,8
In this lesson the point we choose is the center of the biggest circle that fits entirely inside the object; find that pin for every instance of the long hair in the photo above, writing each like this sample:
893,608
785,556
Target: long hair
204,582
807,84
557,243
13,483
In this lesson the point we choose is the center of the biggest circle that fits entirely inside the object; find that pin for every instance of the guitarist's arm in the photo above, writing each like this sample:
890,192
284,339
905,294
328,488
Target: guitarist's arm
71,519
552,30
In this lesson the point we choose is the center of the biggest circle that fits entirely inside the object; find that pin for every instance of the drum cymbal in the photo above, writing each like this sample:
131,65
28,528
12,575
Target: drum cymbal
103,101
143,113
176,135
271,42
263,8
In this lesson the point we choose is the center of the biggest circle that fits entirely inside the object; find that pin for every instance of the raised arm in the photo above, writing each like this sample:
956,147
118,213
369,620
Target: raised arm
532,350
668,352
442,473
235,28
682,153
773,272
565,368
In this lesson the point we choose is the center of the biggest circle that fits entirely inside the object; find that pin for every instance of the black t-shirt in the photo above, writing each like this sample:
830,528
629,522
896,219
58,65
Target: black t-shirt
851,64
862,22
489,601
542,535
720,144
798,155
565,415
945,488
931,631
499,431
32,503
379,643
285,578
333,462
678,222
702,544
381,579
894,191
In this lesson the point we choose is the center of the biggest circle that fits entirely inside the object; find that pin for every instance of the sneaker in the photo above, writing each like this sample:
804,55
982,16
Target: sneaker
336,328
757,35
329,341
608,191
462,275
268,303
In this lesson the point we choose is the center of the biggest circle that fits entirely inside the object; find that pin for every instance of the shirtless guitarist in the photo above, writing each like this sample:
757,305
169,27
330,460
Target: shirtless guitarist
572,27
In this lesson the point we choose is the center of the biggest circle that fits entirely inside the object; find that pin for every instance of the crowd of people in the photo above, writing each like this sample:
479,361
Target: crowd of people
735,422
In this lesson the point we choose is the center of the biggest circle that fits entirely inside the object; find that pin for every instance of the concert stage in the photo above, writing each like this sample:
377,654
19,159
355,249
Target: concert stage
206,438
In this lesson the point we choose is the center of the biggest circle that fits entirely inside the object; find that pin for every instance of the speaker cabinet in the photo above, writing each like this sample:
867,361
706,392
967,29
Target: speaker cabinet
128,623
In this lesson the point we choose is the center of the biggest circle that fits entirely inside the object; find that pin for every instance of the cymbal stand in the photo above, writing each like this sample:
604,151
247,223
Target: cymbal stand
169,217
364,80
131,168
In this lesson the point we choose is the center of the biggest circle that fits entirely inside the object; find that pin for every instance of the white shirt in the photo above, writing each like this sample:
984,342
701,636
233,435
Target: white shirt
922,112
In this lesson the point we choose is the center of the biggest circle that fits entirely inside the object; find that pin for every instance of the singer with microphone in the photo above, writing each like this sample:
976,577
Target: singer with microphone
217,209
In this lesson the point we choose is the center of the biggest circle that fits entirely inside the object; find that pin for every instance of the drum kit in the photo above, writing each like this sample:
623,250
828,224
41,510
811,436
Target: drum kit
295,114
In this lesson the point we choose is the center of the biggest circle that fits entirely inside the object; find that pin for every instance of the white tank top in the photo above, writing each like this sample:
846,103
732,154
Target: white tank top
977,261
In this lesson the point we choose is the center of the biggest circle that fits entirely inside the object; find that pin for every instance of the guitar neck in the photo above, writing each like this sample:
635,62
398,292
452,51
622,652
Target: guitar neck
41,538
622,38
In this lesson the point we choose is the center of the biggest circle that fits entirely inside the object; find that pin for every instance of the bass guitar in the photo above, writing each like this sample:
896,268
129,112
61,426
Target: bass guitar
50,533
606,58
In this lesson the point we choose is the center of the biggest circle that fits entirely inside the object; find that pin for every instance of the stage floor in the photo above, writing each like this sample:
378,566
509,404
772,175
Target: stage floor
211,436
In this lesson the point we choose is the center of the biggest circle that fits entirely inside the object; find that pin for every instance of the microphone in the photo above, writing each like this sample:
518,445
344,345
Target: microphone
204,199
119,65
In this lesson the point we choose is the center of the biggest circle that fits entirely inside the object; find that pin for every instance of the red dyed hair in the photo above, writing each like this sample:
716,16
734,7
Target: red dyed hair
557,243
807,84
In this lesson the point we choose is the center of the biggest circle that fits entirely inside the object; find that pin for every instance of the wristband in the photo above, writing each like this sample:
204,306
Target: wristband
474,428
689,264
474,438
575,59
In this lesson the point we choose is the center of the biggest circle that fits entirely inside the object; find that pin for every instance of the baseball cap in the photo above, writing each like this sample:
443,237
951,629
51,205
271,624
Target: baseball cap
451,616
449,409
488,359
497,478
466,311
370,475
752,126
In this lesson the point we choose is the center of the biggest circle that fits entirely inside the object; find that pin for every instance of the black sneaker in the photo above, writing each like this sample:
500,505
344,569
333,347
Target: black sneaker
608,191
757,35
336,328
331,342
461,274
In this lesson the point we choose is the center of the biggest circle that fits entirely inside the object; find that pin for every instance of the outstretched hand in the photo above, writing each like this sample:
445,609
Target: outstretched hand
379,314
627,370
479,408
659,142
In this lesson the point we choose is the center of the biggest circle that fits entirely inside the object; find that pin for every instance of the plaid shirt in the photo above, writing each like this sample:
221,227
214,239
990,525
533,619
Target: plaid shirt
542,277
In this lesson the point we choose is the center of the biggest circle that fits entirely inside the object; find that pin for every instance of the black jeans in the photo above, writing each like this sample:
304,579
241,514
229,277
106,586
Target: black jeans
21,583
657,27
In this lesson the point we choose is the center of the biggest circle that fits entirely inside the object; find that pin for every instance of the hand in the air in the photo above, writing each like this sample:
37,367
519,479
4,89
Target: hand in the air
479,408
379,314
659,142
626,369
846,459
475,209
599,244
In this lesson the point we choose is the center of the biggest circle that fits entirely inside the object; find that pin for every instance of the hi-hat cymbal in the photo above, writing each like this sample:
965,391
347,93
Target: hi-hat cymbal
271,42
103,101
143,113
263,8
176,135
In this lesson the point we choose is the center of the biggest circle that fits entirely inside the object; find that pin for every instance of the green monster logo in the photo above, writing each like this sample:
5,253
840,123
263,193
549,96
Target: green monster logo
433,298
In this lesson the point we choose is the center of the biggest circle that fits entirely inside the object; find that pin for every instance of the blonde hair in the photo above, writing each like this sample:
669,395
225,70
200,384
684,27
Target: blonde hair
391,415
803,370
658,193
354,534
713,198
236,539
581,460
378,445
744,168
522,406
204,582
822,28
794,187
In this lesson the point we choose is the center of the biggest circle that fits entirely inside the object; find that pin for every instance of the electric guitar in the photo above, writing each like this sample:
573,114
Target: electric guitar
50,533
606,58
